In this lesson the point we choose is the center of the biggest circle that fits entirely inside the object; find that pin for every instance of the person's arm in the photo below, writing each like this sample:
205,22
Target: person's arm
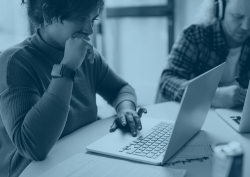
33,121
119,94
125,105
55,88
110,86
179,69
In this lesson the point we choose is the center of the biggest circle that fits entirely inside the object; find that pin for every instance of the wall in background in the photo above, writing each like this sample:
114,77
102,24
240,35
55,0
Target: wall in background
185,14
136,48
14,26
129,3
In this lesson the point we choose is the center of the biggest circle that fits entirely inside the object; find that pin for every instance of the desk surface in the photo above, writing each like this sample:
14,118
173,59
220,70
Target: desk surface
216,130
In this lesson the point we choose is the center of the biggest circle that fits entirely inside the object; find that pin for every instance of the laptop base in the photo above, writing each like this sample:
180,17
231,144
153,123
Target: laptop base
112,143
230,117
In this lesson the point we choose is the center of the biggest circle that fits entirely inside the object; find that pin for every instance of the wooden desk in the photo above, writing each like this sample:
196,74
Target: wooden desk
215,128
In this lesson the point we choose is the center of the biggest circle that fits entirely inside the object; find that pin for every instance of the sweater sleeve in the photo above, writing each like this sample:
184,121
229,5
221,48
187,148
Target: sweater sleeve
33,120
110,86
181,63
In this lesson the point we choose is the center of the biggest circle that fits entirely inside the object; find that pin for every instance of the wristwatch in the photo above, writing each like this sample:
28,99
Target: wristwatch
61,70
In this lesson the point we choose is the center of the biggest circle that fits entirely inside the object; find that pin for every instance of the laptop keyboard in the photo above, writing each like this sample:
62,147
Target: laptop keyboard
153,143
236,119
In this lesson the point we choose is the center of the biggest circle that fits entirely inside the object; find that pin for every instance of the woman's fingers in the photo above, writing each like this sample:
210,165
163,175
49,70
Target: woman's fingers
137,120
137,117
90,50
141,111
131,123
113,126
131,118
122,119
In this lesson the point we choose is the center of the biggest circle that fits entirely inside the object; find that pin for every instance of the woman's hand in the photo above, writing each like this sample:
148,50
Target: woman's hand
76,50
128,119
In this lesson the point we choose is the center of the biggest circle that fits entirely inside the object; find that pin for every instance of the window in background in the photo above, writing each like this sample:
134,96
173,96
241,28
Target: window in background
136,49
14,26
186,13
131,3
137,43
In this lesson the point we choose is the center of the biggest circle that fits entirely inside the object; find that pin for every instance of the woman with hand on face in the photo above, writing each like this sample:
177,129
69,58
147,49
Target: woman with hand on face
48,83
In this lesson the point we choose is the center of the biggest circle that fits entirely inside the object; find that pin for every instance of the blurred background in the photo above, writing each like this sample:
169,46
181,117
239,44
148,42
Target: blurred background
135,37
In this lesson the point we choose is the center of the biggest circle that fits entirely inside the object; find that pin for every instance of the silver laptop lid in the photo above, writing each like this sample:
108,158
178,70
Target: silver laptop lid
245,121
195,104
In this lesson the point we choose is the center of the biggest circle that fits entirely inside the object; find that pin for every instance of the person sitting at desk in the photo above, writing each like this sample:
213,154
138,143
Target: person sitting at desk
222,35
48,83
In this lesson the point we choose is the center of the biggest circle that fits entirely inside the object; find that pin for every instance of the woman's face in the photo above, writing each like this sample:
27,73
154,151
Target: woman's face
58,33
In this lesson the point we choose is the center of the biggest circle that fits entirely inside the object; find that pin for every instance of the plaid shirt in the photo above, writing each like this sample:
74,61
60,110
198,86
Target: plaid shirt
199,49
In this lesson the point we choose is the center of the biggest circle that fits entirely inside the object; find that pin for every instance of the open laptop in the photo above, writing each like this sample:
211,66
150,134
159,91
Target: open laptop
239,119
161,139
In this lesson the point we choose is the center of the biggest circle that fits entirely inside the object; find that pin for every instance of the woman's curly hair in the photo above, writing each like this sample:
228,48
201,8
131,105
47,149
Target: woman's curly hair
40,10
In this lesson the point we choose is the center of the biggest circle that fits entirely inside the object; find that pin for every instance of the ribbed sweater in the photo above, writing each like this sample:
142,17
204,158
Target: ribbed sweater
31,119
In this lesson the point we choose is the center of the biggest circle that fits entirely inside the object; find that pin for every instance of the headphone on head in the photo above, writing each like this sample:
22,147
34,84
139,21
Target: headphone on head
219,9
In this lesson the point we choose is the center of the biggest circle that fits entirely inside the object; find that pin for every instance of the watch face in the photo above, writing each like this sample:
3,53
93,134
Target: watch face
62,71
57,71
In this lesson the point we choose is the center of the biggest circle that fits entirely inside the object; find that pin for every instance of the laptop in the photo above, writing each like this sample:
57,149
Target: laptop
160,139
238,119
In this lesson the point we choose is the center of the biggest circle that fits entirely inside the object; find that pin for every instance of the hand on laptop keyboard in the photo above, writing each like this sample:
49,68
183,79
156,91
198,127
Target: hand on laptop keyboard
151,144
128,119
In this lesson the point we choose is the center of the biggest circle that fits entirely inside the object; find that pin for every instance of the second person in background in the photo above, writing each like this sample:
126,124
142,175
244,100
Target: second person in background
222,35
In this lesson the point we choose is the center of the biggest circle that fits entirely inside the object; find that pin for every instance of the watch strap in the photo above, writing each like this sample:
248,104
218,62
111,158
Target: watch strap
61,70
